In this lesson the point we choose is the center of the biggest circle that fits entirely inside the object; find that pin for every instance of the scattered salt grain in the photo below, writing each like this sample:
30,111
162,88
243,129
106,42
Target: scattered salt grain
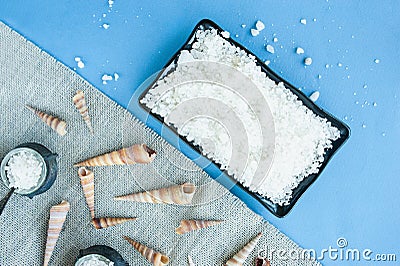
339,64
275,39
267,62
314,96
106,78
226,34
364,126
270,49
383,134
116,76
319,76
377,61
365,86
254,32
81,64
24,170
327,66
104,15
77,59
243,26
303,21
260,25
314,19
308,61
110,3
299,50
375,104
106,26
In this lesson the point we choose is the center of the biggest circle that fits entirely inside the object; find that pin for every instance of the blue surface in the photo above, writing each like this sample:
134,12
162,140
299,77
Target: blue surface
356,197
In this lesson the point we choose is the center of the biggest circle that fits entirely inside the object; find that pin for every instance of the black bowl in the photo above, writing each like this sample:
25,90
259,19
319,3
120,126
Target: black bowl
104,251
276,209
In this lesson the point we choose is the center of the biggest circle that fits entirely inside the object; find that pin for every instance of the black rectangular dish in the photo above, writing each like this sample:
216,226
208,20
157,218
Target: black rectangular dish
276,209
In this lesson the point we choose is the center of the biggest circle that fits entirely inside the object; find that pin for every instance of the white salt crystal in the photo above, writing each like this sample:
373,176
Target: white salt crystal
226,34
106,26
364,125
314,96
116,76
299,50
308,61
106,78
375,104
77,59
243,26
339,64
267,62
314,19
24,170
270,49
303,21
377,61
319,76
81,64
260,25
327,66
275,39
254,32
110,3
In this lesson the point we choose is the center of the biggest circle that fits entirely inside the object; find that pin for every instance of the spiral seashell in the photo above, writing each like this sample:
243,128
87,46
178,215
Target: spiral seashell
80,104
138,153
262,262
55,123
187,226
182,194
242,255
87,181
100,223
155,258
58,214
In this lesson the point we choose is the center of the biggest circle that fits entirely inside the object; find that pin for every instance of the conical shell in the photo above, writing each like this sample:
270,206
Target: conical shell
87,181
138,153
58,214
100,223
262,262
80,104
242,255
55,123
187,226
156,258
182,194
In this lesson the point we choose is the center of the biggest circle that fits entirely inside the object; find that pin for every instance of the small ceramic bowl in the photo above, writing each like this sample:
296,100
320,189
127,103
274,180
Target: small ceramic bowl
102,253
49,171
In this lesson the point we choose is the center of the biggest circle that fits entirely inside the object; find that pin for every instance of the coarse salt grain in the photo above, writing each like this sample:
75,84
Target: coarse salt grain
314,96
303,21
275,39
299,50
270,49
106,78
260,25
106,26
377,61
95,261
254,32
308,61
226,34
116,76
24,170
301,137
81,64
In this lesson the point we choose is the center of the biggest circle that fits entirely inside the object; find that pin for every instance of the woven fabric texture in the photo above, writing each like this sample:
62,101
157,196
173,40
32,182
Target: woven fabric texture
29,75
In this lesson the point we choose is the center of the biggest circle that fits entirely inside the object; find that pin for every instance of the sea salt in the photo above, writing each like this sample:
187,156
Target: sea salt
275,39
95,261
260,25
301,137
254,32
24,170
299,50
377,61
116,76
106,26
270,49
303,21
308,61
314,96
106,78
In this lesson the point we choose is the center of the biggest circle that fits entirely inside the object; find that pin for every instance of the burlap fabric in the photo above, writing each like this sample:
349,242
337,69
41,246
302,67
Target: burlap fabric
28,75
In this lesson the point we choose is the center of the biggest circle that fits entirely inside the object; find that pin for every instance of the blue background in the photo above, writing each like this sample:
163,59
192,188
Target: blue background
356,197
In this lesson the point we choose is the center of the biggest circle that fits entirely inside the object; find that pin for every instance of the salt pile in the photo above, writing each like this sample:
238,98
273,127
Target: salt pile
23,170
301,137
